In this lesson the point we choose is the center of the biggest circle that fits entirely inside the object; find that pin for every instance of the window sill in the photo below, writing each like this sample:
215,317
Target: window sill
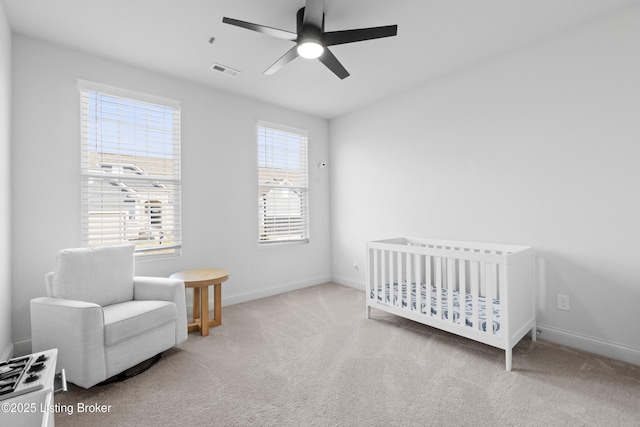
277,243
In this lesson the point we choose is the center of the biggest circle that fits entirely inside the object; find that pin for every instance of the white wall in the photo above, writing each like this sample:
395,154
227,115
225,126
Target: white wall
540,147
6,346
218,170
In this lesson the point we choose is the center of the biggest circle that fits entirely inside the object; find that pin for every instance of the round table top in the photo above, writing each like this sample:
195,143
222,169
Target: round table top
201,276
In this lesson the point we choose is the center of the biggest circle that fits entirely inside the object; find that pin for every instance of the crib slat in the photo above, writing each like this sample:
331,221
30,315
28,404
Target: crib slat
482,285
462,287
388,279
401,283
409,279
415,261
383,275
450,280
379,273
419,299
438,282
430,280
504,306
399,279
406,279
376,277
418,281
462,277
473,284
392,278
490,291
415,289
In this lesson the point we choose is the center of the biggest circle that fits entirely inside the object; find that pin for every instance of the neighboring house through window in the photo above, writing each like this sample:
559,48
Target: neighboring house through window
283,194
130,169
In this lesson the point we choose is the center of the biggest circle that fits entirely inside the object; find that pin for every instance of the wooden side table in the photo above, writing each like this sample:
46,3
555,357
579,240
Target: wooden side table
200,280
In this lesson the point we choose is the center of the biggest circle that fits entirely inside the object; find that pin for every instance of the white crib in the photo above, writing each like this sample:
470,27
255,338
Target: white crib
480,291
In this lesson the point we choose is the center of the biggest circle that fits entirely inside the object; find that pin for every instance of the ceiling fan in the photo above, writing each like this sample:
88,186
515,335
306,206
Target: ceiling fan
311,39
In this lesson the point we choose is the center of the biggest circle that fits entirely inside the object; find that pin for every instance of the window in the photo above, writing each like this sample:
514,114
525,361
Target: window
283,194
130,169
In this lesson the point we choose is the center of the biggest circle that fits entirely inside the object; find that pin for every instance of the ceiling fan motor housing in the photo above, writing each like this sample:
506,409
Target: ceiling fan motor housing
308,31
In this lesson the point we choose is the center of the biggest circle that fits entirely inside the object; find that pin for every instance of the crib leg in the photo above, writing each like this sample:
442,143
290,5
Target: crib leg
367,313
508,355
534,334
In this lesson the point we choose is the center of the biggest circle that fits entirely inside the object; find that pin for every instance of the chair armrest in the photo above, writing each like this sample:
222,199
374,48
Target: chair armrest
164,289
157,288
76,329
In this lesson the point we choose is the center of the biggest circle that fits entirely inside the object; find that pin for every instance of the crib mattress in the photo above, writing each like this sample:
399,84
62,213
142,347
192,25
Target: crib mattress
433,306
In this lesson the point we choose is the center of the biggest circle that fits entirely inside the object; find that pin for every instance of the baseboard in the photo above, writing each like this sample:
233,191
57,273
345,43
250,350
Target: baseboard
7,353
15,349
348,282
263,293
590,344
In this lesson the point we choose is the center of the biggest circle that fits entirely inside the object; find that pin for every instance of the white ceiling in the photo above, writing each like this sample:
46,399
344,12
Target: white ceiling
435,38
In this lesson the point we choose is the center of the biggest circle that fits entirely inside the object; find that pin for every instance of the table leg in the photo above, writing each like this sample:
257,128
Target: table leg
195,324
196,304
204,311
217,308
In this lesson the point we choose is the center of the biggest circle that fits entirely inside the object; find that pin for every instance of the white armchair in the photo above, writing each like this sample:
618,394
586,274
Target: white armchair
102,319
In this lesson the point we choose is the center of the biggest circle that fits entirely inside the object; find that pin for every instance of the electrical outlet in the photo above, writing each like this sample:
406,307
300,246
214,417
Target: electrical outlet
564,303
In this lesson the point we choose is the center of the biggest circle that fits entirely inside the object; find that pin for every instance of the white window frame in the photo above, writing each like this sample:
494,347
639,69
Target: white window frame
130,170
283,184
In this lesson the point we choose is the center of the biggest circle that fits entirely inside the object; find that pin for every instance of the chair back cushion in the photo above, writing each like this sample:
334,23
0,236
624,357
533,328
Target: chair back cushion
102,275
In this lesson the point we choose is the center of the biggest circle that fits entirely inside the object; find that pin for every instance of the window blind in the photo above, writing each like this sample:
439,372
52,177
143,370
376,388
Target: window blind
130,160
283,194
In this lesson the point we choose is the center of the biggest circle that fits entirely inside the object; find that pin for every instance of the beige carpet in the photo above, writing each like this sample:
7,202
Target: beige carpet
309,357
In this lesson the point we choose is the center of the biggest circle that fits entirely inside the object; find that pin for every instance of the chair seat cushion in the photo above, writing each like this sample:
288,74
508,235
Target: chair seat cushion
128,319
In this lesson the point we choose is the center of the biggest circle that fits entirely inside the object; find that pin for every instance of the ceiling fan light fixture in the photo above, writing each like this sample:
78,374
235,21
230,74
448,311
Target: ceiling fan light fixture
310,49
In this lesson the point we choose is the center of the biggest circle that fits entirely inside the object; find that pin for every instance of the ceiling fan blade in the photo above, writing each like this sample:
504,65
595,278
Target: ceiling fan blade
274,32
332,63
333,38
284,60
314,13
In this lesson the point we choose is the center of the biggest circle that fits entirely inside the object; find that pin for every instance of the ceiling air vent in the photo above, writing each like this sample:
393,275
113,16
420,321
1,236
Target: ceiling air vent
225,70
